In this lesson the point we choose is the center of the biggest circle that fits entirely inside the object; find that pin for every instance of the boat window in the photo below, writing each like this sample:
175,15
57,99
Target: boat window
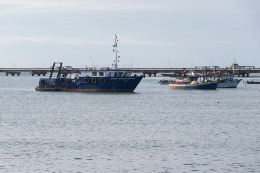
109,75
115,74
127,74
94,73
120,74
101,73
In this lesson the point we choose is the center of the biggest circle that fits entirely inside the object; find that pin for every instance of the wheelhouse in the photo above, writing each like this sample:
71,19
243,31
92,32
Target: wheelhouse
107,73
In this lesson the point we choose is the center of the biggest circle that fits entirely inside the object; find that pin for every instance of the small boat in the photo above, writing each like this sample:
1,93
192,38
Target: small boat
224,80
191,83
163,82
91,79
252,82
227,81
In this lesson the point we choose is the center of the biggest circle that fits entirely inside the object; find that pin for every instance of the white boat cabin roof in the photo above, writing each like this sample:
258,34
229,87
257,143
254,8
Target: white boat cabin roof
100,73
106,73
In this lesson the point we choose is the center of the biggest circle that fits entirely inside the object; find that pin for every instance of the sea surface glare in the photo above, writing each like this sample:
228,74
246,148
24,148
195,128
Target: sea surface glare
154,129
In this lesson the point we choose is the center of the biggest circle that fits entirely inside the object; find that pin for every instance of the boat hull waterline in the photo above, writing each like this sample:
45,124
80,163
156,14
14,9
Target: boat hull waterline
86,90
209,86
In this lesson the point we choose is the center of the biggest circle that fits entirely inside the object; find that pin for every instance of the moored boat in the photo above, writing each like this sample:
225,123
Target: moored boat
227,81
163,82
191,83
91,79
253,82
224,80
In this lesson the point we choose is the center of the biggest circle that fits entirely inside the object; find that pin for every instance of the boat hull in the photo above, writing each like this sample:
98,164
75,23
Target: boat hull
209,86
90,84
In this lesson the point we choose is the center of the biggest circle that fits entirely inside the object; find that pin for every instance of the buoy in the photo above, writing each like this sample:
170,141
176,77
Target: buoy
87,80
94,80
103,80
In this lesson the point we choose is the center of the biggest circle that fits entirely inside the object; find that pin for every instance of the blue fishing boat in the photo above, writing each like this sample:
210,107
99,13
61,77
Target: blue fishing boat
91,79
191,83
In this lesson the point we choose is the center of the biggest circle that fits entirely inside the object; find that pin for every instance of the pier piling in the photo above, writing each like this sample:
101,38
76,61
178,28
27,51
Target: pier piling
12,73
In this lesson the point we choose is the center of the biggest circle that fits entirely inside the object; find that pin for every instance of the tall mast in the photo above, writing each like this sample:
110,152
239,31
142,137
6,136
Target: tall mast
234,65
115,45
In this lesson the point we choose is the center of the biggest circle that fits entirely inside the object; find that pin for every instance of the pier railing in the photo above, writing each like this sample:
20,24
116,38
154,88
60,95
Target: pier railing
144,71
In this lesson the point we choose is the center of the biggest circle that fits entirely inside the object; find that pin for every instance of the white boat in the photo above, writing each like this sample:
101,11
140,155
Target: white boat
227,81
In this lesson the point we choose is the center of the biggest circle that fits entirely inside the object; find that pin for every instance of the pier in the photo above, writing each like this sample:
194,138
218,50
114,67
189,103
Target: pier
240,71
18,71
31,71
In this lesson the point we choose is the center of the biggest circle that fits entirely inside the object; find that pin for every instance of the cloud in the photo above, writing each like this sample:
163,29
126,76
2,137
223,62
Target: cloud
77,41
114,5
126,42
149,43
51,40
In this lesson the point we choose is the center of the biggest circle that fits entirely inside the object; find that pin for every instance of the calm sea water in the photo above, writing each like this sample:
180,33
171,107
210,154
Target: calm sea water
154,129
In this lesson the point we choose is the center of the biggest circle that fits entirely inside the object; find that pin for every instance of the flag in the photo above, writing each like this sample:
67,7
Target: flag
115,45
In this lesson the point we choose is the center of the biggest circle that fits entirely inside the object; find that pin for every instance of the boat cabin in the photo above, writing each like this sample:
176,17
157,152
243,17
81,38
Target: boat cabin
226,77
100,73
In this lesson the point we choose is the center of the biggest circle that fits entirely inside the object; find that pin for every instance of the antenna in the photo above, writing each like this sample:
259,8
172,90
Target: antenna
115,45
234,64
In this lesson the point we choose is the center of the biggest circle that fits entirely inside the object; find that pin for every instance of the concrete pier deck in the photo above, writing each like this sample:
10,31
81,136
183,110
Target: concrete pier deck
239,71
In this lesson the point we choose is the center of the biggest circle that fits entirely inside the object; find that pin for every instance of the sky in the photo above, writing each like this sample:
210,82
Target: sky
151,33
